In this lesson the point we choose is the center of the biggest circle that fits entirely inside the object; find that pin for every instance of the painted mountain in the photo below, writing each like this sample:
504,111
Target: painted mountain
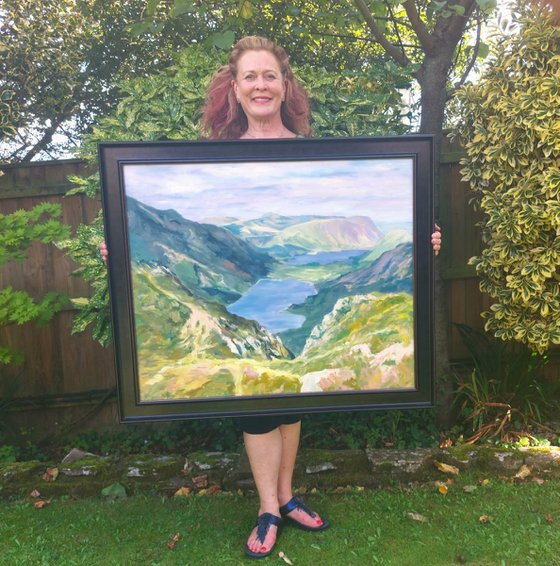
330,234
275,304
210,261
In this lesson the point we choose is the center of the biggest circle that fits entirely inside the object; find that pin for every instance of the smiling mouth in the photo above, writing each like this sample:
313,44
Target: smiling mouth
261,99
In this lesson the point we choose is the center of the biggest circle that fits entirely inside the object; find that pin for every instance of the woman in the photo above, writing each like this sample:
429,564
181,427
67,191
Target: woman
257,96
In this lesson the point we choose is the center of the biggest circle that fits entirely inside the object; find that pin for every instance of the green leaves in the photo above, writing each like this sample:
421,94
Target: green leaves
510,129
18,231
95,310
223,40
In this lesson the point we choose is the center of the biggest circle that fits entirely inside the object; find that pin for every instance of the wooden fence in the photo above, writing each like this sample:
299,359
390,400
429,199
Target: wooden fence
68,379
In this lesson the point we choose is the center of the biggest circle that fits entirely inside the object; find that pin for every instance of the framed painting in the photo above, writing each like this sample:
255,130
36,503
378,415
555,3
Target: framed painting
270,276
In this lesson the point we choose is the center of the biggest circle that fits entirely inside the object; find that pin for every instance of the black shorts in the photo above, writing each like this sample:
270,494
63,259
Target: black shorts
264,424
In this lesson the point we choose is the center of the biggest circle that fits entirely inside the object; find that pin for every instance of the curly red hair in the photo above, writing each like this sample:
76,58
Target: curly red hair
223,117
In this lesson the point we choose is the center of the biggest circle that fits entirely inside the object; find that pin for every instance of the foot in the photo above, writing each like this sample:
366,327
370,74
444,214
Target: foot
263,537
298,514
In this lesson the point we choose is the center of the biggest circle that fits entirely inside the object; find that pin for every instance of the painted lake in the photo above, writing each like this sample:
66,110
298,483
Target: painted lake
267,302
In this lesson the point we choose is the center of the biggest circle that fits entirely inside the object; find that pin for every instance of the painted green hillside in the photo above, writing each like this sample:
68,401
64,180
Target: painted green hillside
190,348
175,330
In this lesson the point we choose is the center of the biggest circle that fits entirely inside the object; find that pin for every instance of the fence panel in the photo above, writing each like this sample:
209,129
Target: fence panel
64,372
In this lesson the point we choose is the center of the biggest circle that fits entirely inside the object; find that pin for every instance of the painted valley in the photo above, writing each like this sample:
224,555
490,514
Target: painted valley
269,304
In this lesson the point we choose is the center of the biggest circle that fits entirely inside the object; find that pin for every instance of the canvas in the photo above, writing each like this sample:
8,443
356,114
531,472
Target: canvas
270,275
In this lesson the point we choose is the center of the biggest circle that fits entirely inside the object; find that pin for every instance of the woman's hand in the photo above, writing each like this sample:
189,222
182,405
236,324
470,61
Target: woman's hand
104,251
436,239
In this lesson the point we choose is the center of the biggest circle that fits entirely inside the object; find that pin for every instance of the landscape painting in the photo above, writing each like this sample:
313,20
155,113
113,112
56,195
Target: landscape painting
262,279
270,276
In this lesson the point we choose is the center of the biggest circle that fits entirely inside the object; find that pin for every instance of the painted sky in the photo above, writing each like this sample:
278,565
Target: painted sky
378,188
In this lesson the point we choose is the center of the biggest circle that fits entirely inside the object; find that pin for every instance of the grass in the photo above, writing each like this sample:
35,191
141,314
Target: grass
369,527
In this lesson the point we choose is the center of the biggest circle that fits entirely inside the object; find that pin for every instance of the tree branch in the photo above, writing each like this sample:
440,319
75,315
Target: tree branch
394,20
455,24
397,54
472,60
46,139
426,40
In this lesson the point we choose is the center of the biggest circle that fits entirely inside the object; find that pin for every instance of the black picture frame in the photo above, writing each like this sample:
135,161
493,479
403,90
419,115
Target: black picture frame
345,173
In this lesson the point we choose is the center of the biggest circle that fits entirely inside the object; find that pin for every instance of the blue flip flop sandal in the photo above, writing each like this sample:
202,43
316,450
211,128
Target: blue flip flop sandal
297,503
263,525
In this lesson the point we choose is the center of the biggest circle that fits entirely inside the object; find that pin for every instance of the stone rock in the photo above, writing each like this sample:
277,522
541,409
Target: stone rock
134,473
320,468
79,472
401,466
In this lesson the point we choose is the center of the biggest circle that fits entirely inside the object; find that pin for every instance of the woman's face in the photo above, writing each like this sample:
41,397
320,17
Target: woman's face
259,85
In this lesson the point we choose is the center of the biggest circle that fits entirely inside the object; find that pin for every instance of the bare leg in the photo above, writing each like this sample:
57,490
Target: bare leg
290,434
265,456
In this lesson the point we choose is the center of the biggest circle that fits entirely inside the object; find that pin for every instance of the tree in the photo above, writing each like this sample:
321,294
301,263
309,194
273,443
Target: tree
61,62
510,129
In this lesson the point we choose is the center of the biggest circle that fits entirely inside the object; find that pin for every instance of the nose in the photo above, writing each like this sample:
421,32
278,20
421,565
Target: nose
260,83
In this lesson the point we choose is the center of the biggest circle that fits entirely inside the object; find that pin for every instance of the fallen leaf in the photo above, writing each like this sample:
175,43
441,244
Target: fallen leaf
446,468
40,503
446,443
484,482
285,558
173,542
35,494
548,518
442,488
524,472
182,492
470,488
538,481
484,519
213,489
417,517
51,474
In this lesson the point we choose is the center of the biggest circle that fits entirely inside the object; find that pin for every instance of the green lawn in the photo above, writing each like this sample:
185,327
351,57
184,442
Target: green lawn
368,527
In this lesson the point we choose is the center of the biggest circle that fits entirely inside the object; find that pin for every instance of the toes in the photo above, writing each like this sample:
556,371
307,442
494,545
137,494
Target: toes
255,545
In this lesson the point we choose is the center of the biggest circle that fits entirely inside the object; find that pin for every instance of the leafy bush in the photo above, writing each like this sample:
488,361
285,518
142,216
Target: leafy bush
383,429
7,454
505,396
510,131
